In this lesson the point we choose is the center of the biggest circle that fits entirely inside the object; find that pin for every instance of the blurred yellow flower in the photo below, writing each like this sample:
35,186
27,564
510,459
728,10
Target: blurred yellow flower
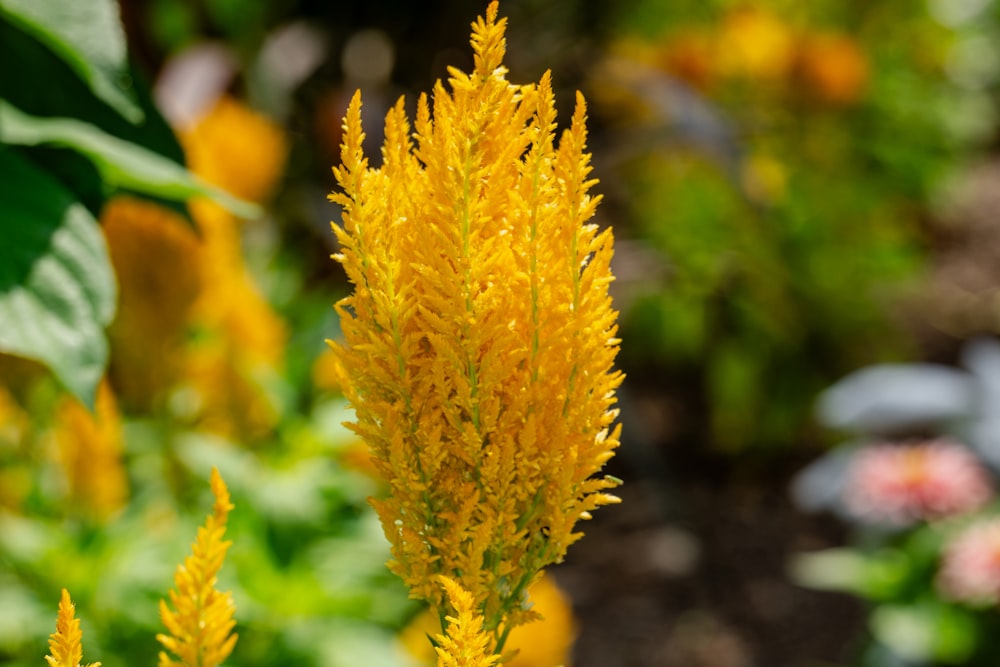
832,67
324,371
223,393
548,642
237,149
241,340
690,56
156,256
479,340
765,178
89,446
753,43
544,643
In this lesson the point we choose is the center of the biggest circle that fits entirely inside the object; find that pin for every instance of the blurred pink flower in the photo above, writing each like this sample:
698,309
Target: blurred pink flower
970,570
902,483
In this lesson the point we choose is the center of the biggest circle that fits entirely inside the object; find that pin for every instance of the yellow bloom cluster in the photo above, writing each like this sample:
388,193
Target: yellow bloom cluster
479,340
90,448
191,321
154,253
201,623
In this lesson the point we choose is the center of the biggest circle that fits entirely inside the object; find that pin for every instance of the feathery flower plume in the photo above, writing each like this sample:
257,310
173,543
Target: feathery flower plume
904,483
90,449
466,643
201,623
157,263
65,649
970,569
479,340
241,342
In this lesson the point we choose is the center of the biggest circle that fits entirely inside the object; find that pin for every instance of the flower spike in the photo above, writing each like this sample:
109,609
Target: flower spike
201,623
65,648
479,339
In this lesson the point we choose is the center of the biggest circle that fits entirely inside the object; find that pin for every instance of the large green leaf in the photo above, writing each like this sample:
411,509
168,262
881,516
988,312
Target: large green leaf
121,163
19,87
64,93
57,289
89,37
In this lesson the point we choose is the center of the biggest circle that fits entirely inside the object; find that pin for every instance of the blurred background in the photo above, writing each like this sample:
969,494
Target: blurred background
800,192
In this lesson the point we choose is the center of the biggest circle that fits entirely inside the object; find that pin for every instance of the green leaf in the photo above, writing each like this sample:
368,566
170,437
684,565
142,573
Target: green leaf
73,171
57,289
89,37
878,576
121,163
927,631
19,86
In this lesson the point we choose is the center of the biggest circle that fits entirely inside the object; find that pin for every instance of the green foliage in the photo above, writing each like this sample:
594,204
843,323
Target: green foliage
908,617
790,157
57,291
89,38
60,295
306,565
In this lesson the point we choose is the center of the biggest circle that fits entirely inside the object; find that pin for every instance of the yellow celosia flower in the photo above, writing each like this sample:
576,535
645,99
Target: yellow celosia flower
241,339
231,304
227,395
544,643
90,448
755,44
157,260
479,339
324,372
65,649
833,68
201,623
466,643
236,148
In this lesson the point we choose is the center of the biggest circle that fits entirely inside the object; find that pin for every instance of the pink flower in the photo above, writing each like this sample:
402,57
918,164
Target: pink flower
902,483
970,570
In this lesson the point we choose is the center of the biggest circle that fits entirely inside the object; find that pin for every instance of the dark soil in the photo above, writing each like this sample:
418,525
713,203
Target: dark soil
690,570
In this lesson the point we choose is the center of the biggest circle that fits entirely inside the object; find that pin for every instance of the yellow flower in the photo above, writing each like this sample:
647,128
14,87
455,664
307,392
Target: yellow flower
549,641
156,256
90,448
544,643
689,55
201,622
479,339
833,68
755,44
226,391
466,643
324,372
237,149
764,177
231,304
241,340
65,649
